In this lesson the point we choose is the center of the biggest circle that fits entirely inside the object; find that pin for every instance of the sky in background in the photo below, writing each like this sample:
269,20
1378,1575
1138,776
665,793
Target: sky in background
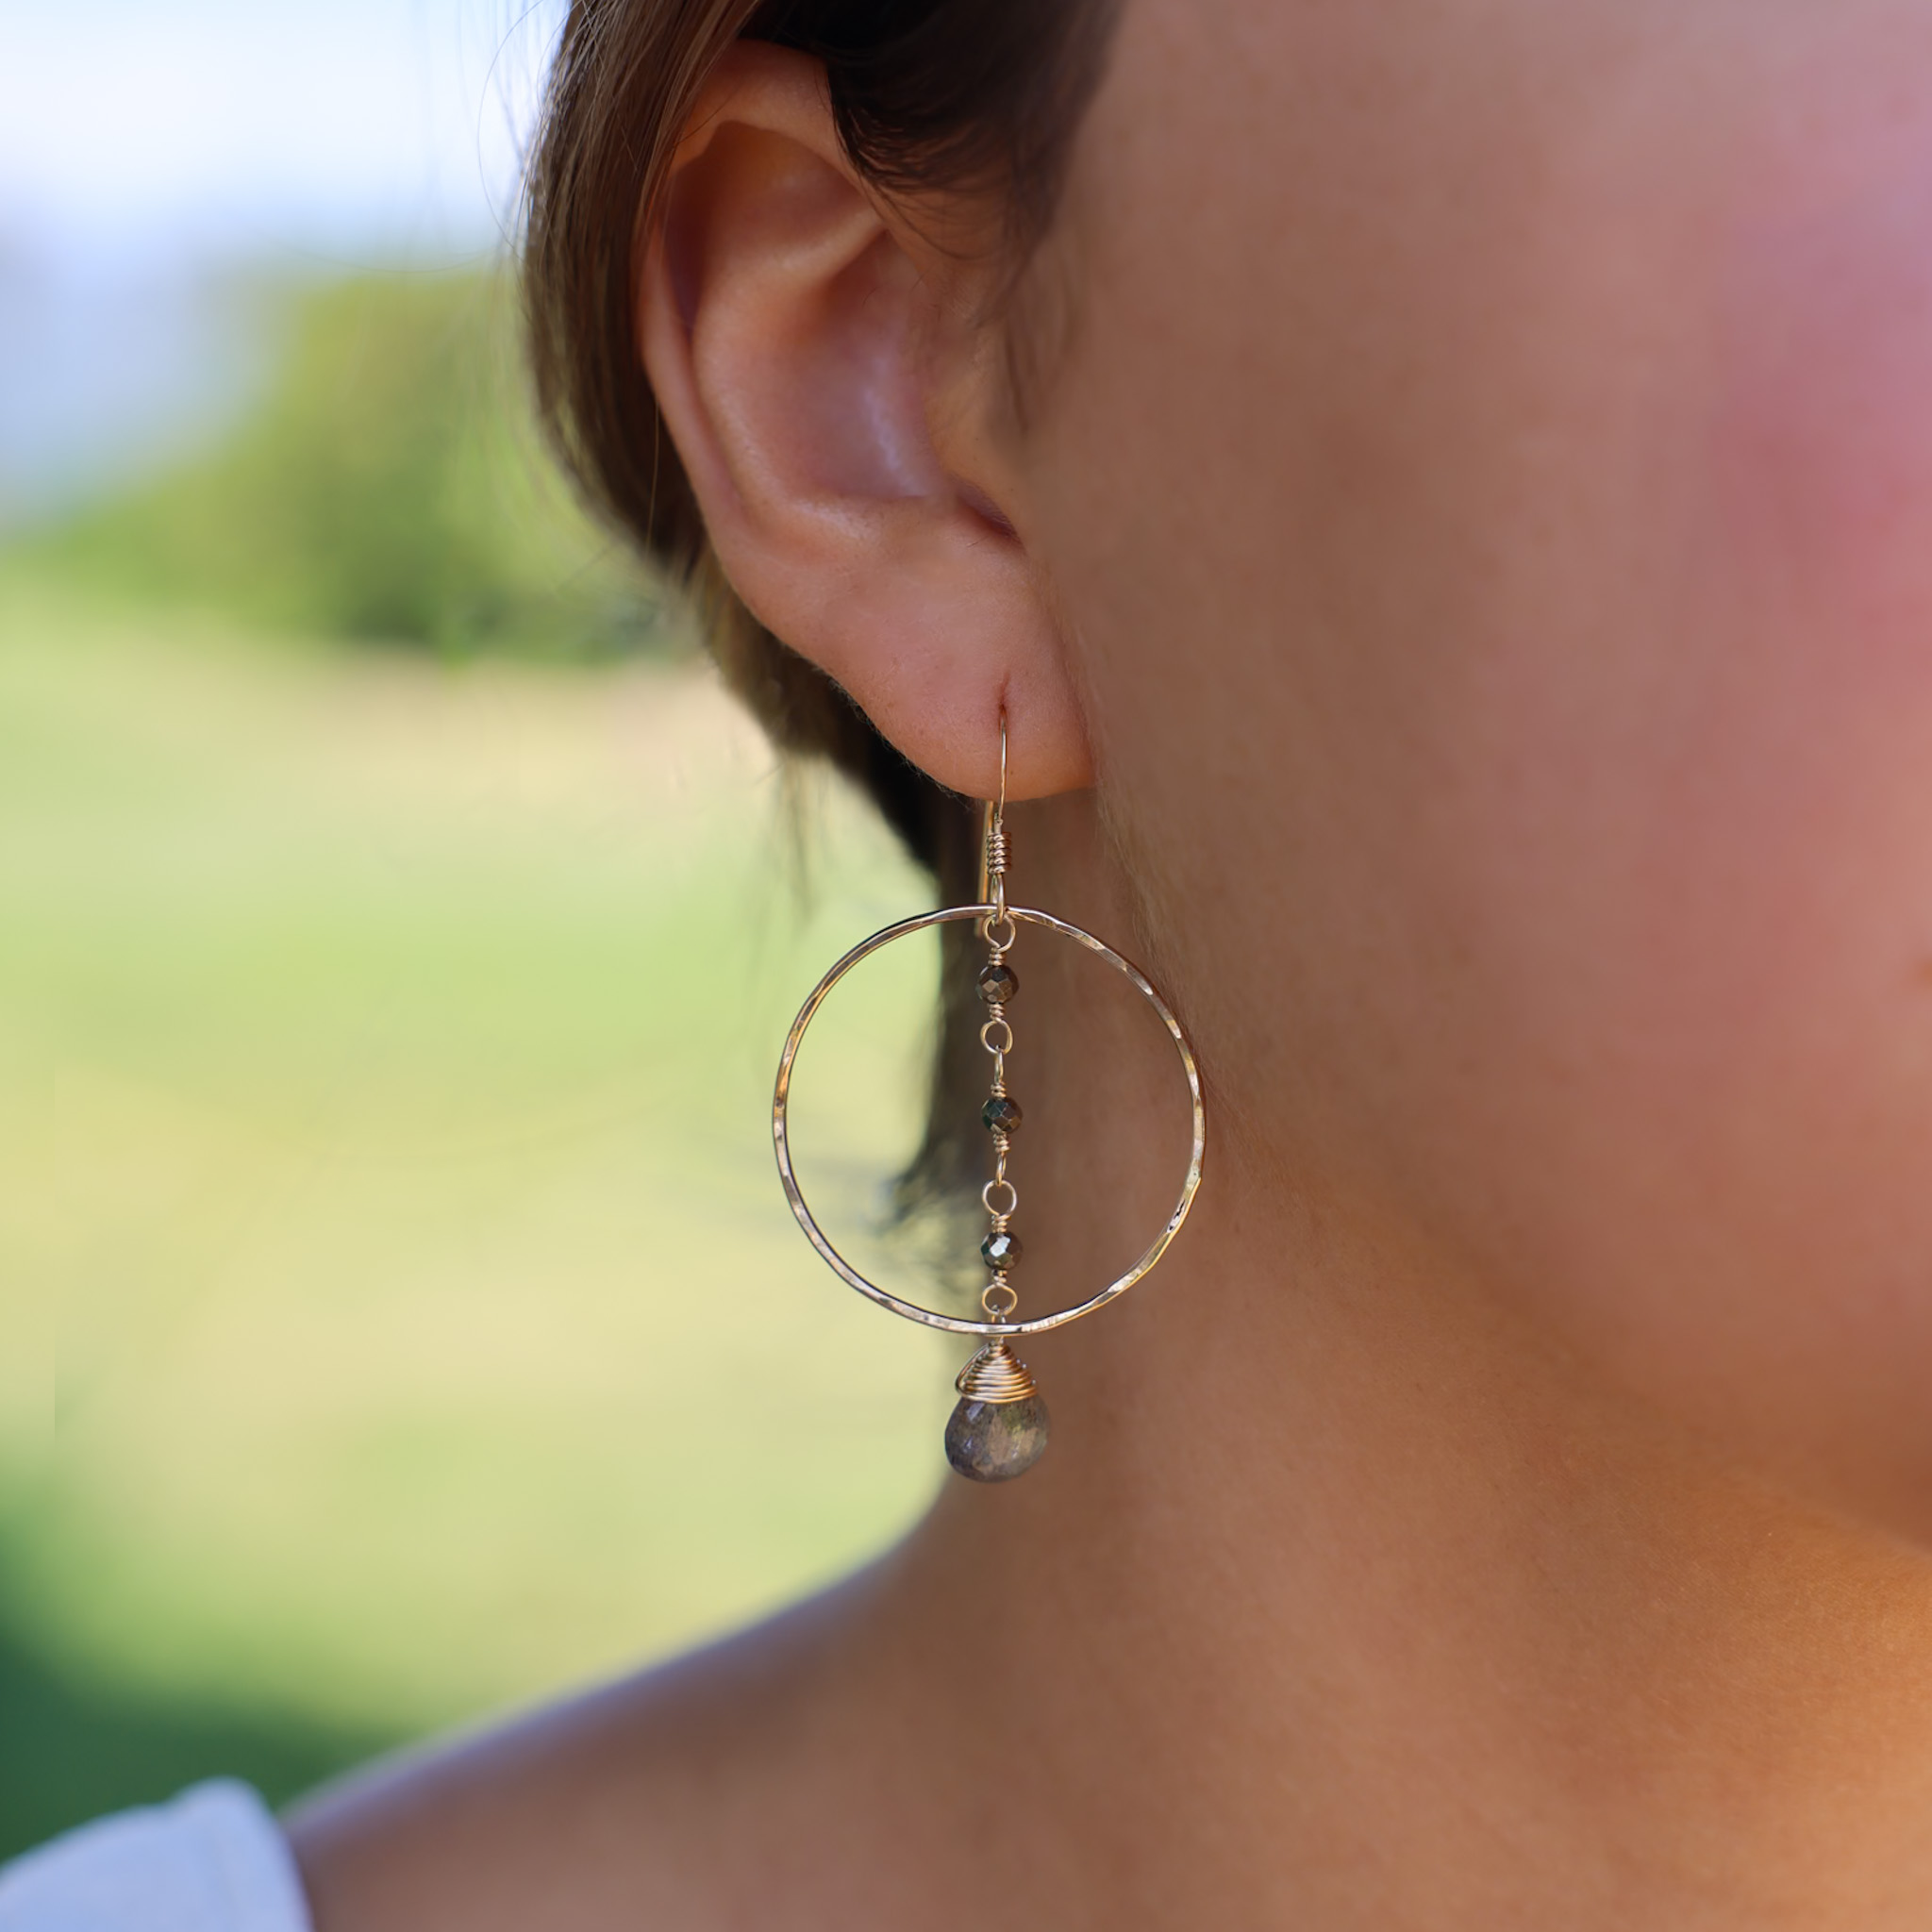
148,145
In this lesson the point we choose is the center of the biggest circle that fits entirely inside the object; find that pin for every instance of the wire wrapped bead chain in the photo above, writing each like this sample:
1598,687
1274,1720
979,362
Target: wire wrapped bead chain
999,1427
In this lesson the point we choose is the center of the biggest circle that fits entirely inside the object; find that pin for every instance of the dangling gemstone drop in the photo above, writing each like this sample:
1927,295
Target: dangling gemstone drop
999,1428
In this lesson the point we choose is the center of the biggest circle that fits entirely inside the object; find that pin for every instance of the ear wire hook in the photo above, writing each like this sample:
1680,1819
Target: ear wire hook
992,843
992,836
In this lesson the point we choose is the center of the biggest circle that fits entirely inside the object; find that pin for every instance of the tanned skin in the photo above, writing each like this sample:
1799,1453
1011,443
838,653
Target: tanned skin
1461,586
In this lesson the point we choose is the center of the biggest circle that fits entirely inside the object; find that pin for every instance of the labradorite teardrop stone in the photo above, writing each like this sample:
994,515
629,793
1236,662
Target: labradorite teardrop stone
994,1442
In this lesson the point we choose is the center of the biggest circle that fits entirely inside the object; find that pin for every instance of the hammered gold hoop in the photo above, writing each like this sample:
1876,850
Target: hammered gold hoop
781,1101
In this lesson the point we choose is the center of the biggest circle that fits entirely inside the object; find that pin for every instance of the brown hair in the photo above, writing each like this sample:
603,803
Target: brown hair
982,94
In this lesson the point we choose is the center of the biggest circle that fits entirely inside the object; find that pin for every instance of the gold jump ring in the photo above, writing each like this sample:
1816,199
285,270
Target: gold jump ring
1006,1308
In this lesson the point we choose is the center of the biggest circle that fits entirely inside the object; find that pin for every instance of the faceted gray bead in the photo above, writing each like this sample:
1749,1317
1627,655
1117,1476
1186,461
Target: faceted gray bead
1001,1249
998,984
994,1442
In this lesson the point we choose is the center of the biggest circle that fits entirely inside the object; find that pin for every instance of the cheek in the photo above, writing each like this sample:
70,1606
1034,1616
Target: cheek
1539,819
1825,424
1800,808
1748,1221
1786,787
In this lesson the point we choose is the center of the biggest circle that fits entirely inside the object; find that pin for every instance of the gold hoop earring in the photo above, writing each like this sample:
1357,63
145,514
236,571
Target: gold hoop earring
998,1430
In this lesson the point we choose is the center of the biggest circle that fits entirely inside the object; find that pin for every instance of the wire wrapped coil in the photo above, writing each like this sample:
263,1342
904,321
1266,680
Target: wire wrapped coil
996,1375
998,853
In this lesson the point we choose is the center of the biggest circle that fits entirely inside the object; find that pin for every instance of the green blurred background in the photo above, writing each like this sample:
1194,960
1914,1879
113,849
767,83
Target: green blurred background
399,1318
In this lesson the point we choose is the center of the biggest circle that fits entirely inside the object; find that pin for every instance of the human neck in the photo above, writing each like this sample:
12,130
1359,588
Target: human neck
1343,1600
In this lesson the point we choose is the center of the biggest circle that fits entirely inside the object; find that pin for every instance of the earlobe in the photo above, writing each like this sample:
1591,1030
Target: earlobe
795,339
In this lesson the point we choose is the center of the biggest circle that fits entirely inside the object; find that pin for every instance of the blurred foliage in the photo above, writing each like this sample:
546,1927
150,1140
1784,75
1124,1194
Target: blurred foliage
399,1317
389,486
75,1746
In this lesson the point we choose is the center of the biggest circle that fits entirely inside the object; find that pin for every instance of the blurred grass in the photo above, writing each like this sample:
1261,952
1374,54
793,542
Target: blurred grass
398,1313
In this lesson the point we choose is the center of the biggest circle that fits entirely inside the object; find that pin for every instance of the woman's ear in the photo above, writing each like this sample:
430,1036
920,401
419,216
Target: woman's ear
815,367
